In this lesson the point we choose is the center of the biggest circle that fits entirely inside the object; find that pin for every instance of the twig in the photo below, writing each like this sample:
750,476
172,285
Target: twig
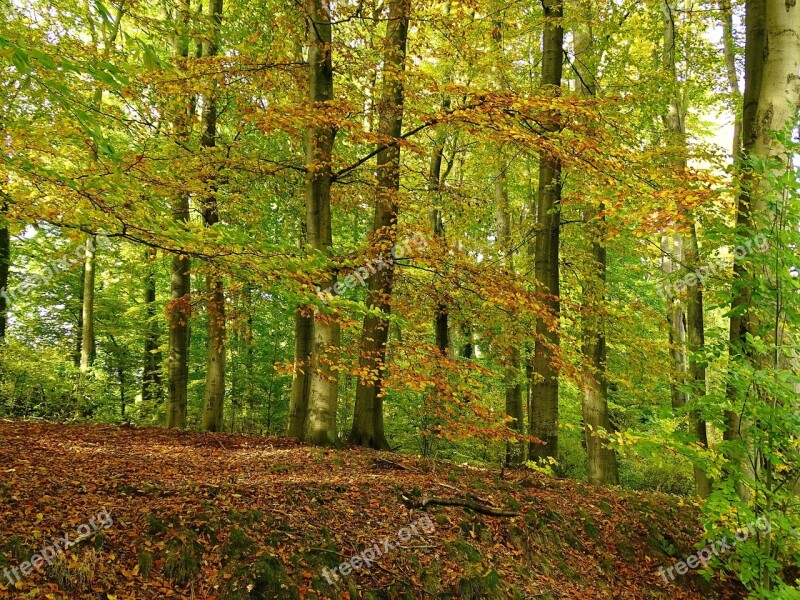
484,510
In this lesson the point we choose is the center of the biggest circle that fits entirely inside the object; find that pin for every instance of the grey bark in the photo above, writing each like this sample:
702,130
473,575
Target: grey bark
368,427
320,423
214,400
543,418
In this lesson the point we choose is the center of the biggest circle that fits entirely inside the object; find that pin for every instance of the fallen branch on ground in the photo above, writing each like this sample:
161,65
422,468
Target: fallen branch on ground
484,510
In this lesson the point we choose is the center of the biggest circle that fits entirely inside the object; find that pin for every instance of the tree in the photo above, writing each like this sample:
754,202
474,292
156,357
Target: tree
215,363
151,369
690,345
543,415
179,309
603,468
368,416
320,422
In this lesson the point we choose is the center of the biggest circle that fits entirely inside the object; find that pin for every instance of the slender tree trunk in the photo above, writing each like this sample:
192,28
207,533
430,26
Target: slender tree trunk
76,357
442,317
755,45
675,121
5,264
368,415
672,257
544,404
298,404
320,422
695,337
729,50
515,451
215,361
468,349
603,468
179,309
109,32
151,375
88,347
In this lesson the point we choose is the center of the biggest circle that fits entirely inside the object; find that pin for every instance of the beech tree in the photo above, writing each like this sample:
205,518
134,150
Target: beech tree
544,396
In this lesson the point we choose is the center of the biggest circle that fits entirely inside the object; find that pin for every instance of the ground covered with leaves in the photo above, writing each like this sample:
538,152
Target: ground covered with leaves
237,517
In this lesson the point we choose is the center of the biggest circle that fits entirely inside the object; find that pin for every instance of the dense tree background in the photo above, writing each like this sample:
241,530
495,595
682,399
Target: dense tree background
557,174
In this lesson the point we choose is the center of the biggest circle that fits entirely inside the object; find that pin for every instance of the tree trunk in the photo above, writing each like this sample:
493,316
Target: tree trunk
779,97
88,347
298,404
603,468
515,452
320,423
368,415
179,309
741,292
151,375
442,317
695,336
672,257
675,120
5,264
544,402
729,51
76,357
215,360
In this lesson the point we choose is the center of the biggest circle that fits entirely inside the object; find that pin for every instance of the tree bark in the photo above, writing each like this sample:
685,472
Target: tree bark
214,400
729,51
515,452
179,309
5,264
76,357
603,468
741,292
694,342
320,423
88,343
298,404
544,402
695,337
435,183
368,415
151,373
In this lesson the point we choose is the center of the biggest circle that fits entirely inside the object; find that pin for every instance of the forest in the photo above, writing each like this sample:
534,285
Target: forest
275,276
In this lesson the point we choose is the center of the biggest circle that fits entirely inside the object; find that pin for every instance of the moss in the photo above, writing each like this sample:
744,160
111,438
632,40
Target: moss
182,558
246,518
264,579
156,525
460,547
238,544
399,590
145,563
477,586
13,551
589,526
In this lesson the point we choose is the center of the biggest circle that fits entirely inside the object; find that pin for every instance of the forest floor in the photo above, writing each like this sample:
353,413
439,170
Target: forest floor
194,515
